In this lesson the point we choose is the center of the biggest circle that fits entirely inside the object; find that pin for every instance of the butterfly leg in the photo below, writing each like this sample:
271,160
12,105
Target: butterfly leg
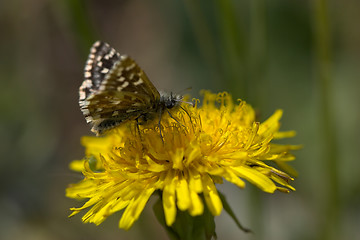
159,125
187,113
174,118
138,128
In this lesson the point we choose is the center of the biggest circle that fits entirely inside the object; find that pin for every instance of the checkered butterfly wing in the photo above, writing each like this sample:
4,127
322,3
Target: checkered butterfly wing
115,89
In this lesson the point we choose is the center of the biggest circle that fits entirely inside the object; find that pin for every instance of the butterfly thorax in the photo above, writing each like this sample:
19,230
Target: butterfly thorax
165,102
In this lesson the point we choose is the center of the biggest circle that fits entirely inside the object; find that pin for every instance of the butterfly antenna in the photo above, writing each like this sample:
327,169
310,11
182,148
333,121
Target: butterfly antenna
185,90
190,103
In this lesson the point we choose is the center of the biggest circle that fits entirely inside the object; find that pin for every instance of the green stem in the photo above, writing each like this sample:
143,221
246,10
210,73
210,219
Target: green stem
322,34
256,212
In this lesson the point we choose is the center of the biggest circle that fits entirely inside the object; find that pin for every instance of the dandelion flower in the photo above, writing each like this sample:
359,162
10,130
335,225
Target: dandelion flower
199,147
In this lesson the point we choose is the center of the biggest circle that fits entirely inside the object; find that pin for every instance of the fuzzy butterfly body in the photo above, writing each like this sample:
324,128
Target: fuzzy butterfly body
116,90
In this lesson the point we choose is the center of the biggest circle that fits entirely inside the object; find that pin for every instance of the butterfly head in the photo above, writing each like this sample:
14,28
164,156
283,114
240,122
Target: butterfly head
170,100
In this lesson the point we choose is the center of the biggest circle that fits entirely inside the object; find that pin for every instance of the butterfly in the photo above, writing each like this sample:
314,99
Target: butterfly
116,90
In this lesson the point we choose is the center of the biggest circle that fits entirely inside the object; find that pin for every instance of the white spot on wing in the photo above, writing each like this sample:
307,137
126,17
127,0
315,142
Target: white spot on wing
125,84
82,95
87,74
112,53
105,70
131,67
136,104
140,81
89,119
87,83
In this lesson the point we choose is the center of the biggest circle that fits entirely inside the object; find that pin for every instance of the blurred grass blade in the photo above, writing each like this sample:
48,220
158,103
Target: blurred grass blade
323,60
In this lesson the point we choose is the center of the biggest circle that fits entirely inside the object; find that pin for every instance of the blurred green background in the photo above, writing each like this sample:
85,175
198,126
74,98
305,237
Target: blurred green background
300,56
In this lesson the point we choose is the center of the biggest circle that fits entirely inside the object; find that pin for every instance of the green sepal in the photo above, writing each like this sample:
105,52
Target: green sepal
92,163
187,227
160,216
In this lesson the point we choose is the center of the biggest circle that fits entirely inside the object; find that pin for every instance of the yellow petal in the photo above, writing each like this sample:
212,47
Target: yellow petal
135,208
256,178
212,198
177,159
183,195
77,165
169,200
197,207
195,183
271,124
